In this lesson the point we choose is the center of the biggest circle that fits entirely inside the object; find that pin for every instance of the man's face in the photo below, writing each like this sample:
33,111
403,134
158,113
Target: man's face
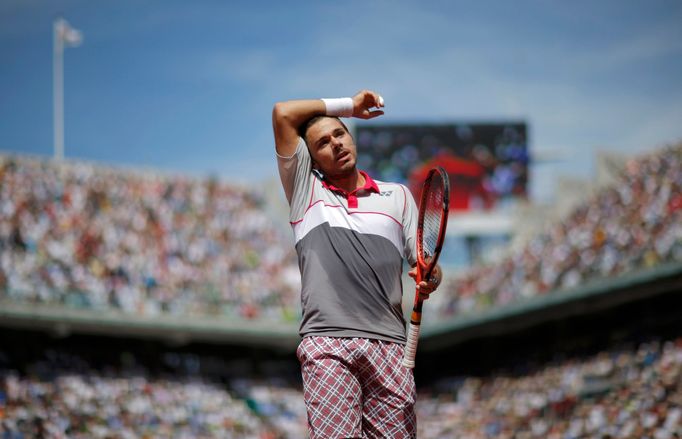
332,148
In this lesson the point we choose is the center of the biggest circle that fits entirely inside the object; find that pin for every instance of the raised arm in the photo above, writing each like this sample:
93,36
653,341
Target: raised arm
288,116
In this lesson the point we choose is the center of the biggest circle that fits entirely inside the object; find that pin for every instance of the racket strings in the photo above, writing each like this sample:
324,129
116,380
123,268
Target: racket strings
433,216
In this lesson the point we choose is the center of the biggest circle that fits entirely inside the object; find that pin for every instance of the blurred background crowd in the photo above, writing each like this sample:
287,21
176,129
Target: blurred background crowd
91,237
99,238
623,392
63,396
632,225
631,391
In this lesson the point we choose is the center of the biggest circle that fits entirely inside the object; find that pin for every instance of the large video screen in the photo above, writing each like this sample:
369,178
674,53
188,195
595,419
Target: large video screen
487,162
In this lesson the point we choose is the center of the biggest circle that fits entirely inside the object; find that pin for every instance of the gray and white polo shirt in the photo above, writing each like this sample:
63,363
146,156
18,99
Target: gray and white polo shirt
350,250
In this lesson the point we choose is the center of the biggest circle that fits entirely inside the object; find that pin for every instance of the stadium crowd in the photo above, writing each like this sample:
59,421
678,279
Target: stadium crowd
91,237
618,393
57,401
633,224
622,392
87,236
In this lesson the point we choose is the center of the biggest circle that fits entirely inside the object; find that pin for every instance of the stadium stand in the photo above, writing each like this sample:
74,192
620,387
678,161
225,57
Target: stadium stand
87,237
633,225
96,238
60,394
617,393
624,391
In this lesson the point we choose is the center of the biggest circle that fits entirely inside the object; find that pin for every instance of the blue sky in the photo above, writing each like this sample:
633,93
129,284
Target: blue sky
189,86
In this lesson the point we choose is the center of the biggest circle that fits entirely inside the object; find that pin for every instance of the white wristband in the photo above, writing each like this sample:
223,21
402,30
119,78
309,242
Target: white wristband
342,107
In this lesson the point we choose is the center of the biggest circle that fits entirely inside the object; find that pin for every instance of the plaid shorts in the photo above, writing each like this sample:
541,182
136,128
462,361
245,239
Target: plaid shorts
357,388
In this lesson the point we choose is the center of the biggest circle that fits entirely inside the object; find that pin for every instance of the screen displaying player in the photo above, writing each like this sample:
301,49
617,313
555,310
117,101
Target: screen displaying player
487,162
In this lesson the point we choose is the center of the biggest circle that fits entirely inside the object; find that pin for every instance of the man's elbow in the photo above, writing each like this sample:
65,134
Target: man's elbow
284,128
281,113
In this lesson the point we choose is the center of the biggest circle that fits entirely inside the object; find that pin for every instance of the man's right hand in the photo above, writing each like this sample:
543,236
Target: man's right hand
364,101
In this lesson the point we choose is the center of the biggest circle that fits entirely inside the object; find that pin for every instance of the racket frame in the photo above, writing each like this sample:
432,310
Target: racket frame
425,268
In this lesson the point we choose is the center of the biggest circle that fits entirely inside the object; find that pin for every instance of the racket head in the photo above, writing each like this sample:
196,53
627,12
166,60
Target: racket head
433,218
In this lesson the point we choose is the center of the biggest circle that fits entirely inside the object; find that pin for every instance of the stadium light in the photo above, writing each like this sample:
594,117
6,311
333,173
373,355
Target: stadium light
64,36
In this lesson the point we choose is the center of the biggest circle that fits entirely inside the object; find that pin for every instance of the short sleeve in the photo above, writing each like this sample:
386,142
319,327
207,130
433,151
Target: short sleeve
297,179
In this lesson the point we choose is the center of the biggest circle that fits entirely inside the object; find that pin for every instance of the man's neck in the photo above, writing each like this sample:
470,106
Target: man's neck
348,183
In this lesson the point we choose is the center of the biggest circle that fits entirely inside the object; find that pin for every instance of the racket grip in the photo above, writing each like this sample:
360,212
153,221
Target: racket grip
411,346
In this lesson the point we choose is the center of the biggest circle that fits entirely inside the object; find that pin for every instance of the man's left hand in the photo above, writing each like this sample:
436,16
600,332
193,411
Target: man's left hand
427,286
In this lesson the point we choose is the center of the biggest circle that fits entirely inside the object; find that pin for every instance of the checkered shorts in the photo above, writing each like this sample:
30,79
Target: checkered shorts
357,388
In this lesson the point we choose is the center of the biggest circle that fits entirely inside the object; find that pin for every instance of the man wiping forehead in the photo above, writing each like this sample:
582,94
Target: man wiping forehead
352,235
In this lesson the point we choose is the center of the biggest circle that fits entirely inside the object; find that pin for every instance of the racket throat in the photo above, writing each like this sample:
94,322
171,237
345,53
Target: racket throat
416,316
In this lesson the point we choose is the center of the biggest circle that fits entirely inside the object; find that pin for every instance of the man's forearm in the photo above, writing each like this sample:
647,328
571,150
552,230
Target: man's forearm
288,116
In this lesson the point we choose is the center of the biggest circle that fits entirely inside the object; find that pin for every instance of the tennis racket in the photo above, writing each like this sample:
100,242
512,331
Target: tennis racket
433,219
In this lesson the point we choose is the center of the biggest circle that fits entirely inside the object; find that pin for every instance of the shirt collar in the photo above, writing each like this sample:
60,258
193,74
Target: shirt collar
370,185
351,197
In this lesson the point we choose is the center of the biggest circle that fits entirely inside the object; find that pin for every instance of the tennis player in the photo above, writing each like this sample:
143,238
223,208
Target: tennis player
352,234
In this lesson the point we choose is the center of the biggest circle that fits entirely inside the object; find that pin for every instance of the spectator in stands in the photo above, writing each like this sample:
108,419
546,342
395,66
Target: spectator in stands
91,237
617,393
621,392
635,224
89,405
86,236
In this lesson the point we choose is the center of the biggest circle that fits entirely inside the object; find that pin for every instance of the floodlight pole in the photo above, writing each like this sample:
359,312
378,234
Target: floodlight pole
58,89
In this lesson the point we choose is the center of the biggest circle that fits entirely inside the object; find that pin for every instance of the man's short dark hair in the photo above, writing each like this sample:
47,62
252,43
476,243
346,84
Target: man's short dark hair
305,126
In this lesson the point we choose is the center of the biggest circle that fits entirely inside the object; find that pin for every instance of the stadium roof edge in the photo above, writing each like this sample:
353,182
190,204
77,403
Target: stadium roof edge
63,321
591,297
